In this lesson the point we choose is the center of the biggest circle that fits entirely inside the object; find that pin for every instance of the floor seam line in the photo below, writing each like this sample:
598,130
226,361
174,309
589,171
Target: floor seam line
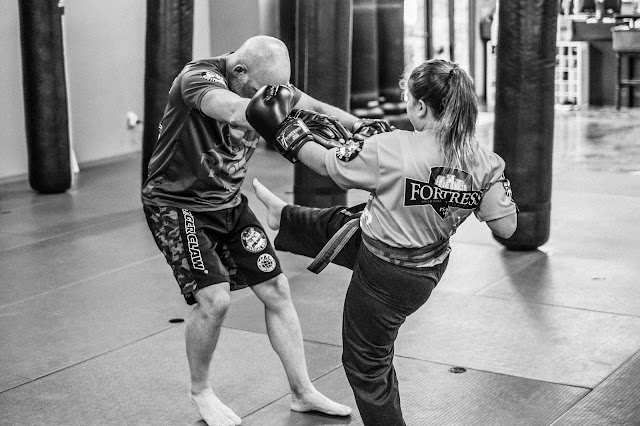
83,280
67,233
94,357
498,373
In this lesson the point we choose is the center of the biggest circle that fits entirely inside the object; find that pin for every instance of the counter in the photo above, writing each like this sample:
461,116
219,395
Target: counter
602,62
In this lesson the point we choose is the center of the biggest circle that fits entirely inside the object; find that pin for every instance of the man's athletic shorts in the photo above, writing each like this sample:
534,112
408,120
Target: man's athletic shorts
205,248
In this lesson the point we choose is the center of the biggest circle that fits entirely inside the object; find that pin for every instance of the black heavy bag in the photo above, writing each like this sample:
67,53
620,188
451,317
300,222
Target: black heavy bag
45,96
315,21
169,46
524,112
391,54
365,92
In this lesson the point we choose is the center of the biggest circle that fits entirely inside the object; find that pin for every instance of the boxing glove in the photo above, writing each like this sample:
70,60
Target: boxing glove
368,127
269,113
330,133
326,129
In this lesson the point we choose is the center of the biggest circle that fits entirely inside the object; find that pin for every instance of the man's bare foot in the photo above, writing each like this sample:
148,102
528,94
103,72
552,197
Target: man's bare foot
315,401
271,201
212,410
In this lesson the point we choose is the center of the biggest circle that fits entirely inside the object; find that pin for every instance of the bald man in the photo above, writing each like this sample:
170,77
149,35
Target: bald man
201,221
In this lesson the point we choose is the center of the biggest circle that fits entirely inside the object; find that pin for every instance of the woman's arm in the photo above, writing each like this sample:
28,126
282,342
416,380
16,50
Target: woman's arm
504,227
312,155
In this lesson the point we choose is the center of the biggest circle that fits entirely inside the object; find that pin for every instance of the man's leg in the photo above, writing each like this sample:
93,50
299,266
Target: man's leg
201,335
204,322
283,328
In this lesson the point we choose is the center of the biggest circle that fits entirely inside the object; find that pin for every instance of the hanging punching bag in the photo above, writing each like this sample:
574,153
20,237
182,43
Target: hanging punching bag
524,112
305,25
391,54
169,46
365,92
45,95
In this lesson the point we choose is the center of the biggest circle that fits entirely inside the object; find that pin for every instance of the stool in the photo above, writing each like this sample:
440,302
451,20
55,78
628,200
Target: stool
626,44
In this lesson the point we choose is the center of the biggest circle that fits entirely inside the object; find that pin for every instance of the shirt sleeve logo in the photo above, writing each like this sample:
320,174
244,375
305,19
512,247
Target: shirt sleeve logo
349,150
446,189
507,186
213,77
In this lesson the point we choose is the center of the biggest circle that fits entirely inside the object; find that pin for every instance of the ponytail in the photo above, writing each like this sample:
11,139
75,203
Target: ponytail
449,91
456,125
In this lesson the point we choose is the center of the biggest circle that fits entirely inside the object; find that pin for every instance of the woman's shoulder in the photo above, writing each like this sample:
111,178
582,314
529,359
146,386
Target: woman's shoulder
488,163
399,136
488,156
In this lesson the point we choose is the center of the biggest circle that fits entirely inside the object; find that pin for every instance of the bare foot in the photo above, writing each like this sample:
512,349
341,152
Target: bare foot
212,410
315,401
271,201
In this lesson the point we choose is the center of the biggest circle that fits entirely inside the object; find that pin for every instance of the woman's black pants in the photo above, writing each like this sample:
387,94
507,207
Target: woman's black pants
379,299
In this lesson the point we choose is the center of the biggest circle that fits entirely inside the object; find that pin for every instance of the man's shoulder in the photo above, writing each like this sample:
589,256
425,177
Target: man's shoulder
211,70
216,65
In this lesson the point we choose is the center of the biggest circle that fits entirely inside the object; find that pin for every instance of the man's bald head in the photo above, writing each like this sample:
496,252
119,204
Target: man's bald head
261,60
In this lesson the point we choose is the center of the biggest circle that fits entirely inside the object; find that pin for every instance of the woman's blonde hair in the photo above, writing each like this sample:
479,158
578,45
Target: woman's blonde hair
450,93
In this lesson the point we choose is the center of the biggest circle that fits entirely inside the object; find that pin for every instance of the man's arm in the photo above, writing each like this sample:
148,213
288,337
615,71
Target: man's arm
271,114
225,106
309,103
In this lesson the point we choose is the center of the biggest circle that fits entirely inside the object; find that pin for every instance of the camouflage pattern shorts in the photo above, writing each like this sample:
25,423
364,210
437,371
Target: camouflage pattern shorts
205,248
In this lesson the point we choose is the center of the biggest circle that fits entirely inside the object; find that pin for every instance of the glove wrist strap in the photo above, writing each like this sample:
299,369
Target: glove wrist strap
291,136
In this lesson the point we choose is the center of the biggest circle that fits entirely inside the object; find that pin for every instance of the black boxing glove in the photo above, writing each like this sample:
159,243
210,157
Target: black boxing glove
326,129
269,113
330,133
368,127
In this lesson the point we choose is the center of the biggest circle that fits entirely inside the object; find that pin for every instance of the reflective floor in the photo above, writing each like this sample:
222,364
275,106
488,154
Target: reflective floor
545,337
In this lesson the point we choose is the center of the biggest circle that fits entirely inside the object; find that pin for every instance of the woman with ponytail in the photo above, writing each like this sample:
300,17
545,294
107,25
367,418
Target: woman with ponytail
423,185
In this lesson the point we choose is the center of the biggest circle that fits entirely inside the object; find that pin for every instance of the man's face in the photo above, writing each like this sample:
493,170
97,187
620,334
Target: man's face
244,86
247,84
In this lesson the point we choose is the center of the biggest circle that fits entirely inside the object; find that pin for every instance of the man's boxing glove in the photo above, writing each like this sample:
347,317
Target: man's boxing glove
268,113
368,127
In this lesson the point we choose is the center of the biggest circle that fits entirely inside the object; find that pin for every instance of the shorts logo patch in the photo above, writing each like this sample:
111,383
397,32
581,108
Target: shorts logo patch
192,241
213,77
253,240
266,262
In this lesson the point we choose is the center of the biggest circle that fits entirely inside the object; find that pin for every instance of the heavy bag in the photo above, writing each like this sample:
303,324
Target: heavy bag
45,96
391,54
310,53
365,92
169,46
524,112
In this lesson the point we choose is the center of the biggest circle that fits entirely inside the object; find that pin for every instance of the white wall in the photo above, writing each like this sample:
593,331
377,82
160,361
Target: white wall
233,21
13,160
105,61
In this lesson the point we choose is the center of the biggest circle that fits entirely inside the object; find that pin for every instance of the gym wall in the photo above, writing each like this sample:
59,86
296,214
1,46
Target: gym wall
105,44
